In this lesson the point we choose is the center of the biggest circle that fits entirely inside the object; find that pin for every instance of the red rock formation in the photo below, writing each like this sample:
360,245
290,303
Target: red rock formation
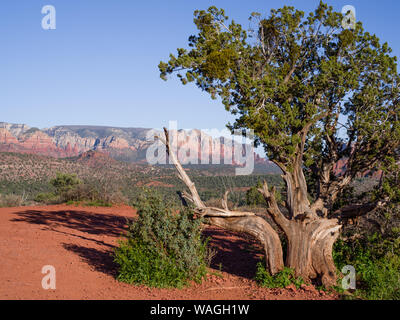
64,142
6,137
35,142
75,150
95,158
115,143
68,148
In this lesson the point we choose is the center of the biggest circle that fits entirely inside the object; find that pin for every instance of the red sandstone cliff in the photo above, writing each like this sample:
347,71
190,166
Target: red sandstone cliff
35,142
128,144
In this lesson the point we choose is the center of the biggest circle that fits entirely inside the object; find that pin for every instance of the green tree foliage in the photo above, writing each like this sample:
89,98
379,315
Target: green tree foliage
315,94
64,182
164,247
376,259
254,197
306,86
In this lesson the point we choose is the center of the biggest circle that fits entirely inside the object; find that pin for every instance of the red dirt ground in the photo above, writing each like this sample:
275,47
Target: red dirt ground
78,242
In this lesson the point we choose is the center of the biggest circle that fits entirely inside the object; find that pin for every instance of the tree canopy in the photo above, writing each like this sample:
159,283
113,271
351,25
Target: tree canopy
312,91
316,94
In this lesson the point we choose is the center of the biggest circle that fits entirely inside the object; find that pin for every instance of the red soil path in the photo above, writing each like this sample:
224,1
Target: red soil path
78,242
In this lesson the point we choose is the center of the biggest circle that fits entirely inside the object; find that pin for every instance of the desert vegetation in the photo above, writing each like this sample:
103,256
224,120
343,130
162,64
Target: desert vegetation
315,94
369,242
12,200
30,176
164,246
292,78
71,190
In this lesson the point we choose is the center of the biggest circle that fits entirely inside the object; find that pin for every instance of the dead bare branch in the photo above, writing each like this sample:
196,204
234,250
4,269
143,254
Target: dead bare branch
194,197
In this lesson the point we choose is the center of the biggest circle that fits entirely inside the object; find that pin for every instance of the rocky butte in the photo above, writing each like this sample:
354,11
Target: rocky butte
126,144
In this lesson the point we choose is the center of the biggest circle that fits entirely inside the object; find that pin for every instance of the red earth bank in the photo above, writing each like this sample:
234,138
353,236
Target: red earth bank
78,242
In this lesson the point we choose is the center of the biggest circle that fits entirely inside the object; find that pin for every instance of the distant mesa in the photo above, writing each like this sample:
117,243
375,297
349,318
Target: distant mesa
101,145
94,158
90,142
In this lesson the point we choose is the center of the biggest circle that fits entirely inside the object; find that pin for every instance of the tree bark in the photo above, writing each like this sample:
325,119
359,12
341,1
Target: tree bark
310,236
262,231
309,250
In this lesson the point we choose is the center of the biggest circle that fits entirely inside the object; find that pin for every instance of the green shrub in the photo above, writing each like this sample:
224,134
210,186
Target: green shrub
164,247
71,190
254,197
64,182
47,197
280,280
94,194
95,203
98,203
377,264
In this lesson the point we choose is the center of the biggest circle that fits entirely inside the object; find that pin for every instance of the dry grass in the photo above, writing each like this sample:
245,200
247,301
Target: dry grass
12,200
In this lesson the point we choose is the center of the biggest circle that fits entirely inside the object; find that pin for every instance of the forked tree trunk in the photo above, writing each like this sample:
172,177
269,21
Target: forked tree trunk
310,236
309,250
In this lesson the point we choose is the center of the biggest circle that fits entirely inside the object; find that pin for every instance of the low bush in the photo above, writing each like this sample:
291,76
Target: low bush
254,197
282,279
164,246
377,264
95,203
68,188
96,193
47,197
64,182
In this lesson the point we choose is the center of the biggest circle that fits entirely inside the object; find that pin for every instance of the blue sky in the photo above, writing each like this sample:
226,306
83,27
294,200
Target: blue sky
99,67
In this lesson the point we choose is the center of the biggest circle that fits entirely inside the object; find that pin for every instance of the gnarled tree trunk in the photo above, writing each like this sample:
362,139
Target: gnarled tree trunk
309,233
262,231
309,250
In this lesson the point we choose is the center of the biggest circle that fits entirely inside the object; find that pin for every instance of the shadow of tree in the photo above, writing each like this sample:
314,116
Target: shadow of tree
99,260
236,253
87,222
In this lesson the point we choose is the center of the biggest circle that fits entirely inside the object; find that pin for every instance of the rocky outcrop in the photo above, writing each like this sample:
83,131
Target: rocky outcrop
15,129
94,159
69,140
127,144
37,141
31,141
6,138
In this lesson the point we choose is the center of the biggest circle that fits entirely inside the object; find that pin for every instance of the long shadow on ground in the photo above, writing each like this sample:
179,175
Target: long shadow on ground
87,222
99,260
236,253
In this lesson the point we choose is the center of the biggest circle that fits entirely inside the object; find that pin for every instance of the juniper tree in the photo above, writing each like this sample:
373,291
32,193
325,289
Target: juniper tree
314,93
